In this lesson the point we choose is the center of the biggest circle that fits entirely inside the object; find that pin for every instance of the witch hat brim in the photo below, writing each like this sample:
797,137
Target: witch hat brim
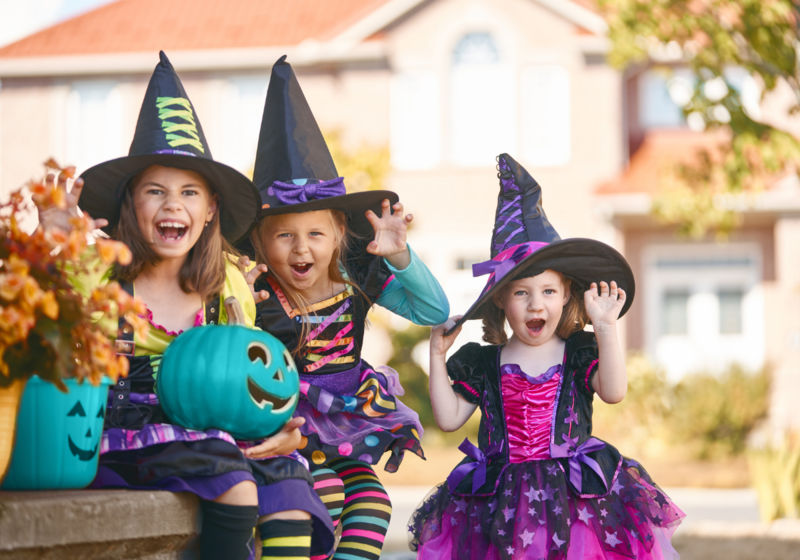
104,184
169,133
581,260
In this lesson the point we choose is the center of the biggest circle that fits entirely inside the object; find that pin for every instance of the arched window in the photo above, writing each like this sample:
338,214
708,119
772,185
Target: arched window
482,102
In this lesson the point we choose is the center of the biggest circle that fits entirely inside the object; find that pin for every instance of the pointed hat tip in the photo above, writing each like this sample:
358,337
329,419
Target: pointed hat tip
281,60
164,60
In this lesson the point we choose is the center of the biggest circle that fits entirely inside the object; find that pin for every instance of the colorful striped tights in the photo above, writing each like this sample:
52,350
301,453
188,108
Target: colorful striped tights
353,495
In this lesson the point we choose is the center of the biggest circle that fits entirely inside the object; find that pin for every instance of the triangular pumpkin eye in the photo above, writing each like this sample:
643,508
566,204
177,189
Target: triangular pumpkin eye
278,375
287,359
257,352
77,410
101,412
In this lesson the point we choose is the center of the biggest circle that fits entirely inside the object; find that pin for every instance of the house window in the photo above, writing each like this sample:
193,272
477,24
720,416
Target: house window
546,132
674,313
244,100
730,311
93,123
415,120
660,92
482,102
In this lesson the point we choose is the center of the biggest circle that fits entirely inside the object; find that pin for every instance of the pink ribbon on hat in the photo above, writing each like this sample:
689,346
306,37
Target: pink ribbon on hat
503,263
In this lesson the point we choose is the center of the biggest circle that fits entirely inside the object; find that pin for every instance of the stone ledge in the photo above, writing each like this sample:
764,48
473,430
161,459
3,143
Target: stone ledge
91,524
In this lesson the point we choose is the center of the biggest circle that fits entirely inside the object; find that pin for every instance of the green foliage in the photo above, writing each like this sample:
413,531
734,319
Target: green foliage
711,37
717,413
704,416
364,169
776,478
413,378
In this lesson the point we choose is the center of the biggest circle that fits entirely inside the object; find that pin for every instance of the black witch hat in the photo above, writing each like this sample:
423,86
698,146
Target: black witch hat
168,133
294,170
525,243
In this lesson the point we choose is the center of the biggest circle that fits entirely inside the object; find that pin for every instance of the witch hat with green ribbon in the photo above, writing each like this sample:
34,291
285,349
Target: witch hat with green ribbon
525,243
168,133
294,170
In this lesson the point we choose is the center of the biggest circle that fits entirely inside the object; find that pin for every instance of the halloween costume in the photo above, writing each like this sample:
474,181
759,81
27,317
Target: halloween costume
539,485
352,414
140,448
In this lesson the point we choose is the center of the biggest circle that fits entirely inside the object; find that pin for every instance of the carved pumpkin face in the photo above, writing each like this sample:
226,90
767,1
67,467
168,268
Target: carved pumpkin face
232,378
83,447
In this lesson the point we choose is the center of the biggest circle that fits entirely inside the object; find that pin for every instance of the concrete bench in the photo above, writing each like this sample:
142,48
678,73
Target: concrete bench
90,524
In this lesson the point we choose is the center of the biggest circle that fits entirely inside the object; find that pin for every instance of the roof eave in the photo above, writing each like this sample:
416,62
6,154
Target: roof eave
308,53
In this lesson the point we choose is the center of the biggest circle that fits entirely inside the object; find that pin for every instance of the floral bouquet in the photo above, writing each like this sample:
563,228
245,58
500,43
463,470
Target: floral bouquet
47,327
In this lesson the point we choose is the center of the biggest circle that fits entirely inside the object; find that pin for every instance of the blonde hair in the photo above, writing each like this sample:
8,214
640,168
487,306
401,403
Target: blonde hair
337,271
573,315
202,272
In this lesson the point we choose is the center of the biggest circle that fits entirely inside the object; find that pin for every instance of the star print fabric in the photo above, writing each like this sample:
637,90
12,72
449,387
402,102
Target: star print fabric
535,514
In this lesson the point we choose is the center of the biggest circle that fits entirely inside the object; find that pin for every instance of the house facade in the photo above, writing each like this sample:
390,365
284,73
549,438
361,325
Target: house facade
446,85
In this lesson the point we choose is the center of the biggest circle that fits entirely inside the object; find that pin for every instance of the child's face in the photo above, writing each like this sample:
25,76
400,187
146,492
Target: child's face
300,248
172,208
533,306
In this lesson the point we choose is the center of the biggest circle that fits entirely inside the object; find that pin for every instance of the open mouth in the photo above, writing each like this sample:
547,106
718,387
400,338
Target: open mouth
535,326
301,269
81,454
171,231
262,398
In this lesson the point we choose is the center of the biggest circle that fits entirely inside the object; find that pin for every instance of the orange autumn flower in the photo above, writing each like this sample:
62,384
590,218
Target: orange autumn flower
49,305
10,286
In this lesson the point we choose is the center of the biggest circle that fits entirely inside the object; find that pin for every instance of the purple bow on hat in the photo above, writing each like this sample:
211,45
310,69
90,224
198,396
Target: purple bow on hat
289,193
479,478
578,455
501,268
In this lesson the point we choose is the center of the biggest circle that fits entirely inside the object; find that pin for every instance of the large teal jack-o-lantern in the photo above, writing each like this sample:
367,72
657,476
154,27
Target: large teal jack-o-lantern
58,436
232,378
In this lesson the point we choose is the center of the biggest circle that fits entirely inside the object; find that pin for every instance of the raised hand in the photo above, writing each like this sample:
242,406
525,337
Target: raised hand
440,343
282,443
604,308
390,234
251,276
55,217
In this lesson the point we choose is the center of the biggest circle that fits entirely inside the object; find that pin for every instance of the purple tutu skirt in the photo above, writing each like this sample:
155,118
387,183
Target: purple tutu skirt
535,514
355,414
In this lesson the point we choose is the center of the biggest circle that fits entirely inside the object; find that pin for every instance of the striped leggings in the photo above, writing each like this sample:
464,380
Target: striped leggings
353,495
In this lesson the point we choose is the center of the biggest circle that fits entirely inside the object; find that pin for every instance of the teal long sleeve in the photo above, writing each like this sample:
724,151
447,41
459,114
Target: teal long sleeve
415,294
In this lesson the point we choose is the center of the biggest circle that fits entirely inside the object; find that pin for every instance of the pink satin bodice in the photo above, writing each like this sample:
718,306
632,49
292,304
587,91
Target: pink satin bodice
528,408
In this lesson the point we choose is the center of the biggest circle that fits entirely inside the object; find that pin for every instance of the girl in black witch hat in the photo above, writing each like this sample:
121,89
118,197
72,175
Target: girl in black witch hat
539,485
329,257
178,210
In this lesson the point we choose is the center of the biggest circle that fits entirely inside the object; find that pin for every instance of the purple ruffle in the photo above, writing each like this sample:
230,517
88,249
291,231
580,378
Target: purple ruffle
535,514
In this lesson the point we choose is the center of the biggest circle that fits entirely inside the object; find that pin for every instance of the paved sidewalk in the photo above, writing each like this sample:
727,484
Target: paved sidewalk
708,511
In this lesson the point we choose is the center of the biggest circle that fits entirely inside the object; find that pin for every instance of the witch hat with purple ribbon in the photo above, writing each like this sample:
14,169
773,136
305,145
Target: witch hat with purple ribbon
294,170
525,243
168,133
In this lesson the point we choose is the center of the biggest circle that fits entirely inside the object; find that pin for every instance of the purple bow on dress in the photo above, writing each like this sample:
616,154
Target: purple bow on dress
479,478
501,268
289,193
578,455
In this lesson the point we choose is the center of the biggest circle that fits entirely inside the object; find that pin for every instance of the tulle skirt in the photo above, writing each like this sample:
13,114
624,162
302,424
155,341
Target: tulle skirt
536,514
355,414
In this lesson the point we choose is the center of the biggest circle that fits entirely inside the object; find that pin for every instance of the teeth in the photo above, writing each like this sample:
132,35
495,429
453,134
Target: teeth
176,225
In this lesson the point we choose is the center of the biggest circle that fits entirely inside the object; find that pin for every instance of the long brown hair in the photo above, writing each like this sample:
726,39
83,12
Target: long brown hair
202,272
337,271
573,315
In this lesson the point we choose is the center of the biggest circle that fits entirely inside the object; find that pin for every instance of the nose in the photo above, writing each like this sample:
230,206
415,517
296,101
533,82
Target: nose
89,433
173,202
535,303
300,245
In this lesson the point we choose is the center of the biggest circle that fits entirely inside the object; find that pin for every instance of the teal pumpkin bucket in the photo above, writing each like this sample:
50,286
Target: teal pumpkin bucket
58,436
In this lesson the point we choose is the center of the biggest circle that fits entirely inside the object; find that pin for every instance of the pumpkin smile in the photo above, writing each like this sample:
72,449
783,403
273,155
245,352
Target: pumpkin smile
262,397
81,454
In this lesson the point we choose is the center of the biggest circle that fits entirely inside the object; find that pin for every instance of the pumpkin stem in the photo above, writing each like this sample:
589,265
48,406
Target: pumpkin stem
234,310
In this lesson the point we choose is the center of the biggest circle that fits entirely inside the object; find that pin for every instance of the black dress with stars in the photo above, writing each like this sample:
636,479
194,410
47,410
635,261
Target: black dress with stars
539,485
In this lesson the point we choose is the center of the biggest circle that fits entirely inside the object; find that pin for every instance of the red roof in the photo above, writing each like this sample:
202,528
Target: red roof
659,153
152,25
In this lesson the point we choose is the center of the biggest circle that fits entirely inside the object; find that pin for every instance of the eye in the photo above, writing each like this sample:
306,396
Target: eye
520,293
287,359
77,410
154,191
549,291
258,352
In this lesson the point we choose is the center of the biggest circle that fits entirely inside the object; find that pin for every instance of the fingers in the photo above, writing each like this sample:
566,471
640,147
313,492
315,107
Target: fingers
101,223
372,247
409,218
294,423
398,207
77,189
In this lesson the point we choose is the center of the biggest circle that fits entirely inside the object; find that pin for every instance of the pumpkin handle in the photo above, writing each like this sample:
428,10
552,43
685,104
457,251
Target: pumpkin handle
234,310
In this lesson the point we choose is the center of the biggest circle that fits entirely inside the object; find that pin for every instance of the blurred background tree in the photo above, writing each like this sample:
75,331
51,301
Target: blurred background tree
364,168
712,37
